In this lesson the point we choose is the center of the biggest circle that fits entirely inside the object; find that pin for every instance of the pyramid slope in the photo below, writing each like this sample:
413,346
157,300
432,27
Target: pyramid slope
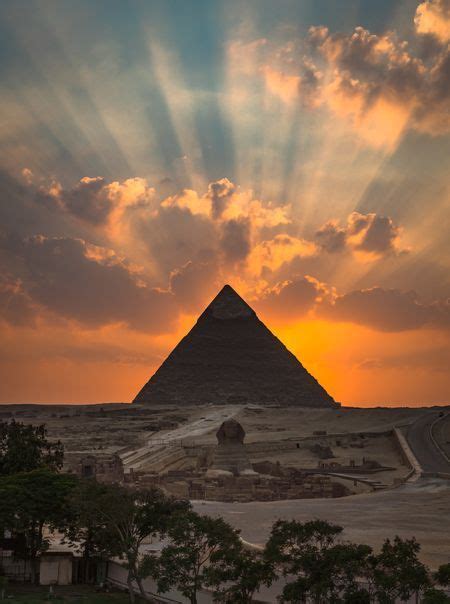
230,356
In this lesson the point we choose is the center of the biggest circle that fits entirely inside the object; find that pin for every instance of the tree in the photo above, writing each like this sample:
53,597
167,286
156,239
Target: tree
24,448
199,554
397,572
442,576
325,571
435,596
84,523
289,540
247,570
28,501
111,520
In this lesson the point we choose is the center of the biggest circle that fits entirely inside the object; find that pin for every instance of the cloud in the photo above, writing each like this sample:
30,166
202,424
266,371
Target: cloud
286,86
220,193
189,200
235,241
88,200
189,250
435,359
174,236
292,299
92,285
16,307
375,82
387,310
433,17
272,254
331,237
377,308
95,201
370,233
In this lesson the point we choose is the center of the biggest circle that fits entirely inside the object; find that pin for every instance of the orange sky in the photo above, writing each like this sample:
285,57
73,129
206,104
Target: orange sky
357,365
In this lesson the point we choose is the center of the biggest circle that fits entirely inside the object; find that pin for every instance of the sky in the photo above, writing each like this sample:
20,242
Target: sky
152,151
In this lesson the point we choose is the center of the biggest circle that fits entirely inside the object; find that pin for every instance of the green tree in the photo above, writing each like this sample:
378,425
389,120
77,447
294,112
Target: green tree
111,520
24,448
435,596
247,571
442,576
325,571
83,525
397,572
199,554
28,502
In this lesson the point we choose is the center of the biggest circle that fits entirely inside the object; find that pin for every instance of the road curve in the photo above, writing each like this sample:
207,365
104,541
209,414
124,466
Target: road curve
427,453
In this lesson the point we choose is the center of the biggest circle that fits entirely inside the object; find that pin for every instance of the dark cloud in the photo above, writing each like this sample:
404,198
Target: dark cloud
235,241
21,212
220,193
89,352
16,307
435,359
386,310
291,299
379,234
378,308
175,236
88,200
77,281
365,232
331,237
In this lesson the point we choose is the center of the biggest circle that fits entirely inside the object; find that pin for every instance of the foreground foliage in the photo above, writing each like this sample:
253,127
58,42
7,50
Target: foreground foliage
24,448
30,501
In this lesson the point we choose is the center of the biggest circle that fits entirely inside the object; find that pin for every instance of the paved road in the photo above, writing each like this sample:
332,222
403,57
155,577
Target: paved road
419,438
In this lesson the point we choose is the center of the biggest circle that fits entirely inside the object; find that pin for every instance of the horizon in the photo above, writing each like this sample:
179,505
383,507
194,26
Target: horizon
151,152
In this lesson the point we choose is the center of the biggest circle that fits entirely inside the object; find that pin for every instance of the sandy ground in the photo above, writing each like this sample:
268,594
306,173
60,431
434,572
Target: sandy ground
420,510
113,426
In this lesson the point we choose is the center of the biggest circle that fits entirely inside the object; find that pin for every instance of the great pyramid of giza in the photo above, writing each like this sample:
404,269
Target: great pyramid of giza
230,356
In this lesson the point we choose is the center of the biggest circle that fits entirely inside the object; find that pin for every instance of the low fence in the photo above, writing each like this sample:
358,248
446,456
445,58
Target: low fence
13,568
407,455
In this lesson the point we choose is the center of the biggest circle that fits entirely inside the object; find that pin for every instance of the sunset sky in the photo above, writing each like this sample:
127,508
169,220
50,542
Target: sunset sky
152,151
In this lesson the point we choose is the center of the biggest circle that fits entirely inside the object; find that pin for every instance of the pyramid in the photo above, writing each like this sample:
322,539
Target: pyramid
230,356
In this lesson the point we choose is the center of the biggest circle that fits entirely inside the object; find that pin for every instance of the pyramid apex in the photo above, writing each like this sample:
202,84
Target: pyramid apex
228,304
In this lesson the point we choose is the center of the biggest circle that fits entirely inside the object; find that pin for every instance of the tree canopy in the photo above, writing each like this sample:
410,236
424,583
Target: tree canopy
24,447
28,502
110,520
200,553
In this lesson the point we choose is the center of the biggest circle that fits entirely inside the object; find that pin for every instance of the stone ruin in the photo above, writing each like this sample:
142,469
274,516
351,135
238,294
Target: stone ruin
102,467
231,476
230,456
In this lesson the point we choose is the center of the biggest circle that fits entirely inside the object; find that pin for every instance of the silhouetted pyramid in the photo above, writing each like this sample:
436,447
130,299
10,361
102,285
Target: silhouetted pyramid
230,356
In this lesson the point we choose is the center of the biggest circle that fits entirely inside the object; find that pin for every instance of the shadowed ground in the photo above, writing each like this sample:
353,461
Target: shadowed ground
420,510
